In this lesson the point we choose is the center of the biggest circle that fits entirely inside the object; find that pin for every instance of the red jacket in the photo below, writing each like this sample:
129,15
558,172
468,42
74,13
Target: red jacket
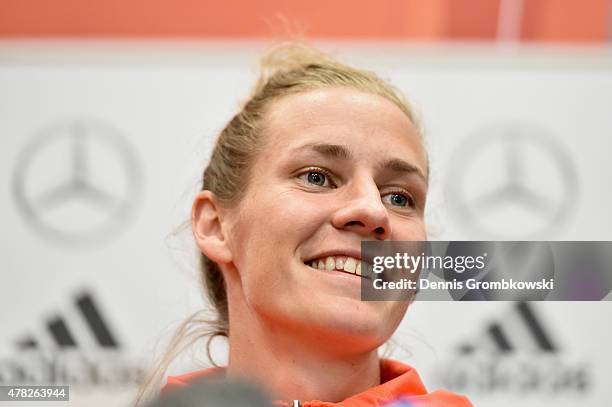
398,381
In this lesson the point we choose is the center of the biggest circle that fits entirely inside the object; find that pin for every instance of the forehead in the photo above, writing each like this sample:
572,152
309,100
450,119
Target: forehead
370,125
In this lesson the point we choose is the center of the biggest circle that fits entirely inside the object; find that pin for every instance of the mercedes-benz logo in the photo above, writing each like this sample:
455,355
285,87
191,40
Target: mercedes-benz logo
77,181
512,181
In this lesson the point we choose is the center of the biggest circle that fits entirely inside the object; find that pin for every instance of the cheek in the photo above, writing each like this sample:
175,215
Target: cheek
268,234
290,217
411,229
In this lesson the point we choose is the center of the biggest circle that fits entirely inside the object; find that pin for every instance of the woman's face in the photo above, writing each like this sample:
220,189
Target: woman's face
339,166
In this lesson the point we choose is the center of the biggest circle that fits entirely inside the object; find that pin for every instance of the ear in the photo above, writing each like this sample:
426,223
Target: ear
207,227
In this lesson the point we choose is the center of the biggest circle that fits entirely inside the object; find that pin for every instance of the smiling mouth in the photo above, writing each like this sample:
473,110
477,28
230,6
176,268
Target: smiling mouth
344,264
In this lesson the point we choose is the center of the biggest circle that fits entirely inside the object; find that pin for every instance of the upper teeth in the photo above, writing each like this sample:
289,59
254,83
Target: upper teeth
348,264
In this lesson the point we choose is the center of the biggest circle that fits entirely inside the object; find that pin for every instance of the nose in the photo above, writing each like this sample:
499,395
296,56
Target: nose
364,212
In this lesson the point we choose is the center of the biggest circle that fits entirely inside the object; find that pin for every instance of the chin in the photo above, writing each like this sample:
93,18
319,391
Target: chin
355,340
341,324
357,331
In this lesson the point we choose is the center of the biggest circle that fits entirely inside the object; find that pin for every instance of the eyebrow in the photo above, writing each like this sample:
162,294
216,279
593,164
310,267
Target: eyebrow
329,150
342,152
399,165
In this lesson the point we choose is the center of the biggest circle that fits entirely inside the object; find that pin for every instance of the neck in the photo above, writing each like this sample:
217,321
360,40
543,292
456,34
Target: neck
289,366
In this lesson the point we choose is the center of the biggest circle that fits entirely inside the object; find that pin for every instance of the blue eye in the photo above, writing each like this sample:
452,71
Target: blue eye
316,178
398,199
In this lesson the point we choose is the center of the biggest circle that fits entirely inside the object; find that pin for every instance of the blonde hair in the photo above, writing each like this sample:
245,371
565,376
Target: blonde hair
285,70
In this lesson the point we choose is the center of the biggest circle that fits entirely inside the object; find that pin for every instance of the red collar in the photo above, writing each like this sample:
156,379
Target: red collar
397,381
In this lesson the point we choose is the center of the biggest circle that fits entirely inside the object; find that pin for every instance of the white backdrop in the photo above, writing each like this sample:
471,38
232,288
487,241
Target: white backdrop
138,121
